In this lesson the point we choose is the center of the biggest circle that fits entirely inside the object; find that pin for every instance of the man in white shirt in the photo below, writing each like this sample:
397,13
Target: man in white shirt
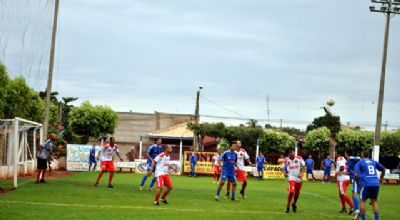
293,168
162,165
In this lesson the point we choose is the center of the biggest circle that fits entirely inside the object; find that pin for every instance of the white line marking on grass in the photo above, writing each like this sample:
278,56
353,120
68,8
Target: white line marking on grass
161,208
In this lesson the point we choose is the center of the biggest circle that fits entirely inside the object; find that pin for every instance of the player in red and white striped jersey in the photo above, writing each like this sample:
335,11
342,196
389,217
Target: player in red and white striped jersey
293,168
217,169
162,164
107,161
343,180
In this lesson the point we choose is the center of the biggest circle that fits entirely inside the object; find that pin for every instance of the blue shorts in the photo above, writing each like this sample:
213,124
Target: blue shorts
309,171
355,188
149,166
92,160
369,192
260,168
327,172
228,176
192,165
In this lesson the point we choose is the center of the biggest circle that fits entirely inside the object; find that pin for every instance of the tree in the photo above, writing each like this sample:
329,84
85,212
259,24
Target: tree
252,123
317,140
22,101
3,91
390,143
333,124
276,141
91,121
354,140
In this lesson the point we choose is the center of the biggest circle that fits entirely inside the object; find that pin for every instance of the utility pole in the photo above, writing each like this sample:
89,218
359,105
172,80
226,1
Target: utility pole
386,125
268,110
388,7
51,66
196,140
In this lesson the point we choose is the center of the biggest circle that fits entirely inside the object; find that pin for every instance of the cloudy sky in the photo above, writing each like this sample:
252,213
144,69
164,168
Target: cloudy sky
148,56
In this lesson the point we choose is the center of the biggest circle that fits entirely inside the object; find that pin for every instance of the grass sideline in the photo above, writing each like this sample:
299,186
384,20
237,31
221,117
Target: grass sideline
74,197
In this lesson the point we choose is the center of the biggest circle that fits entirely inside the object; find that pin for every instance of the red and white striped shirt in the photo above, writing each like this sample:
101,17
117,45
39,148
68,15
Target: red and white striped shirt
162,164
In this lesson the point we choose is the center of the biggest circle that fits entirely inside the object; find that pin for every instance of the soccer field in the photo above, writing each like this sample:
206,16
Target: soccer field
74,197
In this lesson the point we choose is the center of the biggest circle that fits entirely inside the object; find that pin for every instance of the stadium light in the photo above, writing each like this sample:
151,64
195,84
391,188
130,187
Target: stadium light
387,7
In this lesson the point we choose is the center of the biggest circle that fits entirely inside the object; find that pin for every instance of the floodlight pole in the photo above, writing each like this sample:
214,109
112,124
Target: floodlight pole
51,66
388,8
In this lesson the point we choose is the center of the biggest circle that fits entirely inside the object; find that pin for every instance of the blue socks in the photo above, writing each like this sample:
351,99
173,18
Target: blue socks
143,180
362,216
153,181
233,196
218,192
355,201
376,216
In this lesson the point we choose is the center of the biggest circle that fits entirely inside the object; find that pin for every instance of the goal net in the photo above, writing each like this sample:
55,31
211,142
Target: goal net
18,141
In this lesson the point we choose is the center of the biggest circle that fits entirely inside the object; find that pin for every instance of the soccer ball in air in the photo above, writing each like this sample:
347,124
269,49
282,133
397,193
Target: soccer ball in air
330,102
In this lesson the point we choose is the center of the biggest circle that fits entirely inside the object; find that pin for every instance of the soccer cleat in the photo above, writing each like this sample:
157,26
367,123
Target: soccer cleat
356,216
96,184
110,186
287,210
216,198
294,208
227,196
243,195
343,211
352,210
164,201
235,200
150,189
140,188
156,203
42,181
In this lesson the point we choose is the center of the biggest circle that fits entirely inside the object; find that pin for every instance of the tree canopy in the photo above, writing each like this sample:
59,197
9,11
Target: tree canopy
92,121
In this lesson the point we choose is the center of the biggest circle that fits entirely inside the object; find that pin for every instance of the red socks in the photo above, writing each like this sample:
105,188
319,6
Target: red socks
157,198
99,177
289,199
110,178
228,187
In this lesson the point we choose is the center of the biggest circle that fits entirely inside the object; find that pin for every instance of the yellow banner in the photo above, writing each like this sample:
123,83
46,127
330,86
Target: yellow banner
204,162
273,172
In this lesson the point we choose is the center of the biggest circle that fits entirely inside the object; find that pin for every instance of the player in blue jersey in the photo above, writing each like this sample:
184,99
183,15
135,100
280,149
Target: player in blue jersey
327,166
193,163
365,174
229,159
260,166
356,188
152,153
310,167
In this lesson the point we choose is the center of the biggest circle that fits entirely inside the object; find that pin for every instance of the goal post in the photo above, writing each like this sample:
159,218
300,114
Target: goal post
17,147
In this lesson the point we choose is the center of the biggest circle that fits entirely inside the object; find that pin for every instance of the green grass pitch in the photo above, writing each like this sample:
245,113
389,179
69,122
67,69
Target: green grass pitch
74,197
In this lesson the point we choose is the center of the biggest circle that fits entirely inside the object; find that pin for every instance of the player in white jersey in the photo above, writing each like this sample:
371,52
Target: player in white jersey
293,168
343,180
241,174
107,161
162,165
217,169
340,162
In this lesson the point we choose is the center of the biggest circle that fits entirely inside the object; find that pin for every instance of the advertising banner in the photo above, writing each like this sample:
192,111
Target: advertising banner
78,157
204,162
273,172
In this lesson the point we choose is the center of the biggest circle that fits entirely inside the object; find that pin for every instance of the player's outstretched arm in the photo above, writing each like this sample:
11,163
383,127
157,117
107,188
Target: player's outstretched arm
119,156
172,168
